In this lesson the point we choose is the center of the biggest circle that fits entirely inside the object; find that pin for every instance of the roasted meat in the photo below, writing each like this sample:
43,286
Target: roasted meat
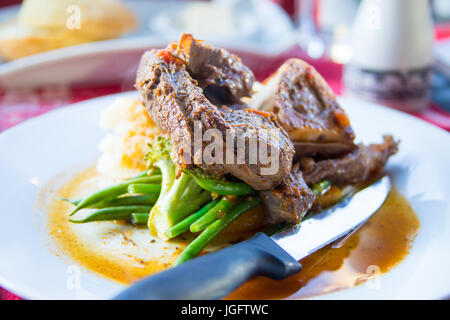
190,88
307,109
353,168
222,76
176,102
263,152
290,201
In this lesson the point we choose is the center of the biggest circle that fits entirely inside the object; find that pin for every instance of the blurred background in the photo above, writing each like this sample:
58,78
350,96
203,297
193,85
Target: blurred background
392,52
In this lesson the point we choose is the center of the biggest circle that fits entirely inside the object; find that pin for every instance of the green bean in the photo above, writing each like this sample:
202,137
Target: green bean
147,199
321,187
112,192
191,189
143,174
220,209
184,225
221,187
144,188
139,218
147,173
150,179
199,243
75,202
197,201
114,213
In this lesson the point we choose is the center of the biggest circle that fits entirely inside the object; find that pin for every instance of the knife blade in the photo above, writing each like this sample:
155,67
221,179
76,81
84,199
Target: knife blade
331,224
217,274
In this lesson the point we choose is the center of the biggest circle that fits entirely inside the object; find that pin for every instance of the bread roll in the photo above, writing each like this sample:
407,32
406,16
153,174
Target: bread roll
18,41
95,19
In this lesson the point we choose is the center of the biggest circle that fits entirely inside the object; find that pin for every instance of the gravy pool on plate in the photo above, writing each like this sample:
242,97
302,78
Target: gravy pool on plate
125,253
383,241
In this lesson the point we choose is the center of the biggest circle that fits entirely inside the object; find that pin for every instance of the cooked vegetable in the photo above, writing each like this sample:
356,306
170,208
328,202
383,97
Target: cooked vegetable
113,191
184,225
147,199
169,204
75,202
220,187
179,197
139,218
143,174
218,211
114,213
321,187
199,243
144,188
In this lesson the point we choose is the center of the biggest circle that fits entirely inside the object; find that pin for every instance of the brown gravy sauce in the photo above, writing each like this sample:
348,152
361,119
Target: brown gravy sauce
68,243
375,248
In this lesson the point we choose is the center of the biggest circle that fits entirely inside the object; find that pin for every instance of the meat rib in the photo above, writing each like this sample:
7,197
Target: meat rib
191,85
307,109
216,70
290,201
353,168
176,102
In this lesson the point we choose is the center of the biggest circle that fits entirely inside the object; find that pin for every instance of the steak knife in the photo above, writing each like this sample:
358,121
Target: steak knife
217,274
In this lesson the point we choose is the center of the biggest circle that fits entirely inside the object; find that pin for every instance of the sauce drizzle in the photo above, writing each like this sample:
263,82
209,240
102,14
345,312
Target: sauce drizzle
381,243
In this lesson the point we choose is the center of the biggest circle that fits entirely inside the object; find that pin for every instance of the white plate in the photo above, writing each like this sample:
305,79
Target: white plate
34,152
118,59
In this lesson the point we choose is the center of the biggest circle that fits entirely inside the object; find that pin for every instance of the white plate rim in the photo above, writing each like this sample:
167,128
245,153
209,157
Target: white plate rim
5,134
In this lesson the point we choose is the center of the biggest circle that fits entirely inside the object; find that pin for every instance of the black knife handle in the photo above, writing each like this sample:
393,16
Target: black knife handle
217,274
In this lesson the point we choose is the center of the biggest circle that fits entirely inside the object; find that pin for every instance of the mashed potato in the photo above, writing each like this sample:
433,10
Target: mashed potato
123,150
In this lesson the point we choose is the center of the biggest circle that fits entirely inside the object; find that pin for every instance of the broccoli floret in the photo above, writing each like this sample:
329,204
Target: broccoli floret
179,197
